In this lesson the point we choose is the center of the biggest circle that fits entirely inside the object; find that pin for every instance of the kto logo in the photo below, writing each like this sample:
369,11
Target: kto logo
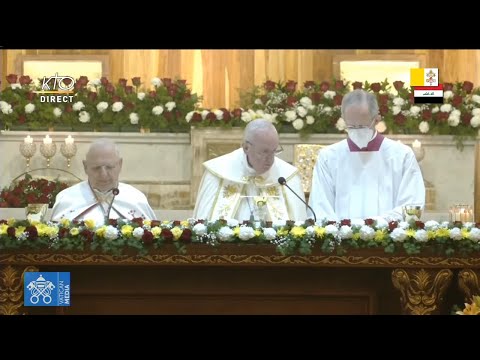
46,289
59,86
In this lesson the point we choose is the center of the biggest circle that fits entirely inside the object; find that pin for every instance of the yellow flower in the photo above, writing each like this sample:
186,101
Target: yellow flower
3,229
177,232
431,234
185,223
356,236
236,231
410,232
11,221
74,231
380,235
90,224
156,231
127,230
282,232
257,232
19,230
442,232
465,233
298,231
66,222
147,222
50,231
319,231
101,231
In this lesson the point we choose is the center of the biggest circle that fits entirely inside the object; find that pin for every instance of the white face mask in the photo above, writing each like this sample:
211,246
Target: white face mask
361,137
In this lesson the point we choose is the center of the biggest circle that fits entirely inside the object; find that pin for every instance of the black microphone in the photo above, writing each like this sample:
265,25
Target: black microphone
282,181
115,192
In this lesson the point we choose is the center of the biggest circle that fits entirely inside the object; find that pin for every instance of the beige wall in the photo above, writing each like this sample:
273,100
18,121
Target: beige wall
219,74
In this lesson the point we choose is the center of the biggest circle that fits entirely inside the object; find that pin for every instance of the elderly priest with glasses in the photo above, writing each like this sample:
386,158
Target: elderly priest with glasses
238,184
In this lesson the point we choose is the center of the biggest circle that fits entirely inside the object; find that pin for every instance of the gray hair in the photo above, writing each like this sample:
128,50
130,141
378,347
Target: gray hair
256,126
359,97
103,143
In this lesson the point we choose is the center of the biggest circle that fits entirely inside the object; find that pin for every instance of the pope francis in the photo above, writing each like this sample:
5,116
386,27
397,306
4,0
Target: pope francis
101,197
235,185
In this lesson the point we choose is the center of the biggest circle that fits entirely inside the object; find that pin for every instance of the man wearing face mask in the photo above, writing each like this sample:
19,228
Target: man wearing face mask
366,175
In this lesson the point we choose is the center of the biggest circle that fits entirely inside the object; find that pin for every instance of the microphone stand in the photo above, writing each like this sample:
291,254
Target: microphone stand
115,192
282,181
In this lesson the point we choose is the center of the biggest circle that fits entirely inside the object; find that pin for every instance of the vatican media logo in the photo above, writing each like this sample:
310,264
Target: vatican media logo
46,289
58,86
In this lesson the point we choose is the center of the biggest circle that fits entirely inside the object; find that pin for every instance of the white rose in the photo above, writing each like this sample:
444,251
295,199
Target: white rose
269,233
83,117
398,101
306,102
29,108
329,94
345,232
6,108
421,235
246,117
453,120
447,94
474,234
446,108
341,125
156,82
301,111
134,118
57,112
435,110
246,233
475,121
95,82
327,110
102,106
398,234
260,113
298,124
424,127
117,106
258,102
367,233
290,115
218,114
476,112
200,229
225,233
310,119
16,86
78,106
331,230
138,233
456,234
111,233
415,110
232,222
141,96
170,105
157,110
476,98
189,116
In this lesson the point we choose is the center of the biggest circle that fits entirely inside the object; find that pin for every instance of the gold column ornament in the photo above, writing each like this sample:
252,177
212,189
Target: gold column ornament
468,283
11,289
421,290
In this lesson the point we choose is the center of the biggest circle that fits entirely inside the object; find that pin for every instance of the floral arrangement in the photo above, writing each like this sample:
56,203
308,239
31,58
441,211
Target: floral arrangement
99,104
316,108
31,191
471,309
287,237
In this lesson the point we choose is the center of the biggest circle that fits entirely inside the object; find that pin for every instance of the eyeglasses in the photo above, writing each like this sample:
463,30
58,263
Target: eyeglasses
349,127
267,154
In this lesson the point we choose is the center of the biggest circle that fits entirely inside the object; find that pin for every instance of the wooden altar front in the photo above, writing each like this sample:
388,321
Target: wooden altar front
247,279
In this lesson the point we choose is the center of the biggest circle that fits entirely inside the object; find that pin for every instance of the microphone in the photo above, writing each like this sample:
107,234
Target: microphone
115,192
282,181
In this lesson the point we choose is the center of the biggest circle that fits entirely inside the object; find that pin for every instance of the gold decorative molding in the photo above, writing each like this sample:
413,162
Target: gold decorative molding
199,255
468,283
421,290
305,156
11,289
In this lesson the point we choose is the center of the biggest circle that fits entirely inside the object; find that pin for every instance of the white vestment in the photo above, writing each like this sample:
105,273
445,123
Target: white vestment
229,184
364,184
80,202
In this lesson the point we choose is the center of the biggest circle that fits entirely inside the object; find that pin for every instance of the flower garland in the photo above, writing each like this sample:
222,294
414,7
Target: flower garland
288,237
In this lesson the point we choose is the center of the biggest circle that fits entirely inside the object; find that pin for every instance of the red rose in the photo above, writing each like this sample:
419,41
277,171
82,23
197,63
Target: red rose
104,81
291,100
324,86
466,118
128,89
32,232
426,115
22,119
167,82
110,88
237,112
339,85
392,225
112,222
269,85
383,99
196,117
167,235
291,86
357,85
147,237
346,222
226,115
419,224
138,221
11,231
186,236
399,119
398,85
369,221
447,87
24,80
12,79
384,110
211,116
308,84
316,97
136,81
116,98
83,81
457,100
152,94
122,82
337,99
154,223
92,96
467,86
376,87
88,235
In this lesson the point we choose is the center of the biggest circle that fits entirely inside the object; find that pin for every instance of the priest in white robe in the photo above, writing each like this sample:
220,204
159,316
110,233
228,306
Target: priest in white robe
243,184
366,175
102,196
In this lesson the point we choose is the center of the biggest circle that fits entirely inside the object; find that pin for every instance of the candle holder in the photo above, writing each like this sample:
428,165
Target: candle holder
461,212
69,151
419,153
48,151
28,150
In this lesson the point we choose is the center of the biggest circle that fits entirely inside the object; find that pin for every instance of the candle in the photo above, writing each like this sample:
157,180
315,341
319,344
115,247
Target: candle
417,144
69,140
47,140
28,140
